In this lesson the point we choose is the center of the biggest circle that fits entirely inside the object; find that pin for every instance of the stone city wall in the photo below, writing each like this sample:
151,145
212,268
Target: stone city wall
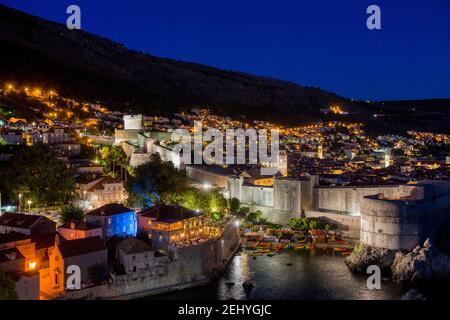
203,176
190,266
138,159
348,199
346,225
250,194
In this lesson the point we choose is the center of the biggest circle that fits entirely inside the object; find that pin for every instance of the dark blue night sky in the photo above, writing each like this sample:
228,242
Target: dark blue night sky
317,43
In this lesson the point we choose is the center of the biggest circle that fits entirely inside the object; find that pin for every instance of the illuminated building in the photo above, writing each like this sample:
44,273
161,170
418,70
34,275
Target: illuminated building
73,231
84,253
137,256
170,224
114,219
101,191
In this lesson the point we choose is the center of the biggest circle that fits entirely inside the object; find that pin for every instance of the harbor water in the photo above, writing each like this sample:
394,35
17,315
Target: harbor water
287,276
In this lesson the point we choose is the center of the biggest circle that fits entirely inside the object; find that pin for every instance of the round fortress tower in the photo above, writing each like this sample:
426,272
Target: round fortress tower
390,224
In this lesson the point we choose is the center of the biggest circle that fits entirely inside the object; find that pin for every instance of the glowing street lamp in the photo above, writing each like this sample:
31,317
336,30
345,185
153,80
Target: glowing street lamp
32,265
29,206
20,198
206,186
84,197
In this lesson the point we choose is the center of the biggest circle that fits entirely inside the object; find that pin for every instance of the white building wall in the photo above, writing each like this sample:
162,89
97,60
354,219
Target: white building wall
133,122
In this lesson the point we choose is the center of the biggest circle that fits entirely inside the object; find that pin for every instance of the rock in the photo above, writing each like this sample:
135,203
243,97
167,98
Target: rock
248,285
364,255
422,265
413,294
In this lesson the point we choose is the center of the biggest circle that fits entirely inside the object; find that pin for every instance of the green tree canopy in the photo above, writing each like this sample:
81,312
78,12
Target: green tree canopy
254,216
115,161
71,213
234,205
39,172
157,177
305,224
210,202
7,288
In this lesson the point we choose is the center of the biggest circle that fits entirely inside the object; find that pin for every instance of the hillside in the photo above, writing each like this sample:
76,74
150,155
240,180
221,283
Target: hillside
82,65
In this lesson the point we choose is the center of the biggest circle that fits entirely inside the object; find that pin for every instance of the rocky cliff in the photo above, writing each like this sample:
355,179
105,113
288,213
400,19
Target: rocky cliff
364,255
423,264
425,268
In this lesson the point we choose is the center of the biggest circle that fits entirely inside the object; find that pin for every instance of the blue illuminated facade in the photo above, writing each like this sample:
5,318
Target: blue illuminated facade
115,220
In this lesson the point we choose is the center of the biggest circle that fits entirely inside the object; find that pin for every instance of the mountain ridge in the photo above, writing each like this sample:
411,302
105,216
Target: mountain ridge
162,82
93,68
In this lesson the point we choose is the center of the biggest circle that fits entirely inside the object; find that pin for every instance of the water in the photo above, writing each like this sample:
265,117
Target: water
309,277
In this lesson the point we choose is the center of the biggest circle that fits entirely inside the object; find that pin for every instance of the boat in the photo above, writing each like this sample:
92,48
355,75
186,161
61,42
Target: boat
300,247
342,241
256,254
340,249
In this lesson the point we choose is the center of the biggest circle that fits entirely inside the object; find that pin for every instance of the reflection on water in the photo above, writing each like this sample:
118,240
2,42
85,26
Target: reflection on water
309,277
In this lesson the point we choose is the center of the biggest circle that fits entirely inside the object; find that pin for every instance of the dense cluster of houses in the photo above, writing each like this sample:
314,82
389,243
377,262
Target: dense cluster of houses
36,253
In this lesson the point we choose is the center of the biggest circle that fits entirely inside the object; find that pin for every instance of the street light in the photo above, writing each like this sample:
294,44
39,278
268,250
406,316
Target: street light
20,197
29,206
84,196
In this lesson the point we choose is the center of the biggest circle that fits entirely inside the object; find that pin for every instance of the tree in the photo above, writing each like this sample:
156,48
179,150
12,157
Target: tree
254,216
37,169
305,224
234,205
7,288
216,202
71,213
156,177
113,157
193,199
243,212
